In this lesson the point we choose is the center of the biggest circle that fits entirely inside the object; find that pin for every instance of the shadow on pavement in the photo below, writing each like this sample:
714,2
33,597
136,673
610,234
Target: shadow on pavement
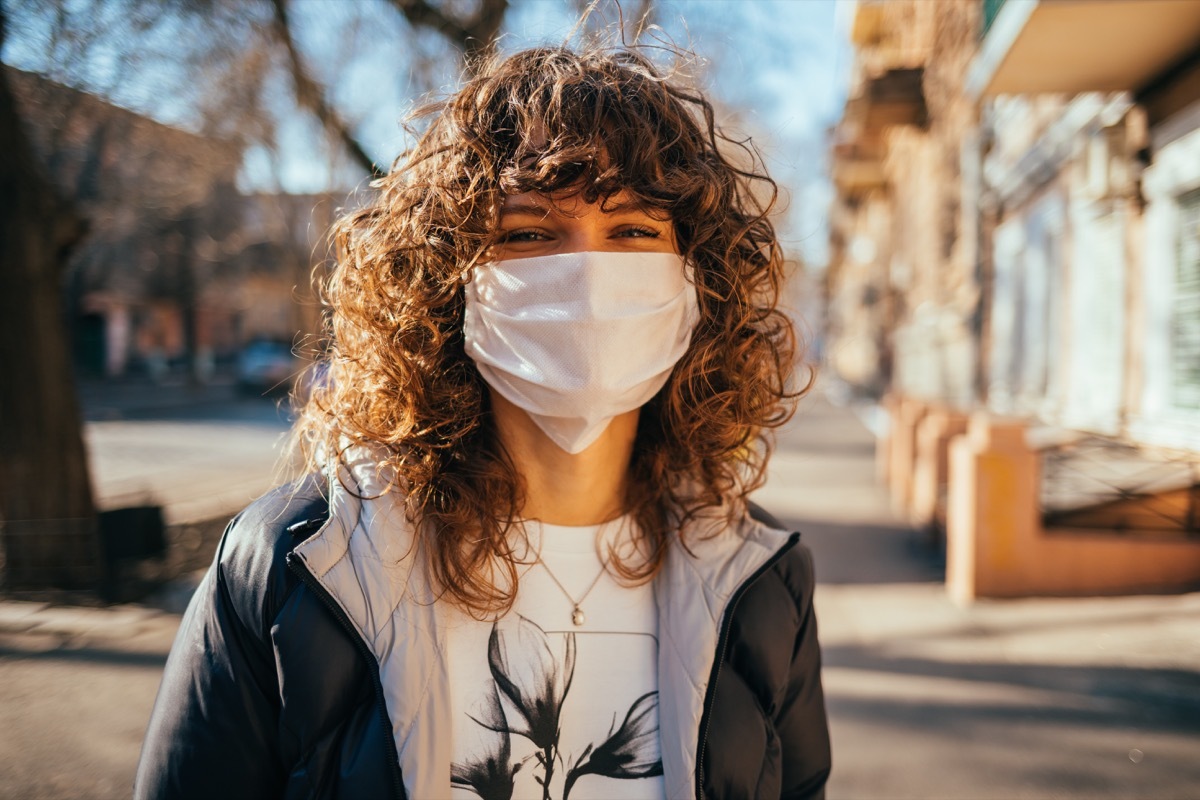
87,655
916,727
1104,694
869,554
984,751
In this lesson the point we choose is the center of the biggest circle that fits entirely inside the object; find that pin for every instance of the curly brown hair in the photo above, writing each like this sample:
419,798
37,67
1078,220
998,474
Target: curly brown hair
595,123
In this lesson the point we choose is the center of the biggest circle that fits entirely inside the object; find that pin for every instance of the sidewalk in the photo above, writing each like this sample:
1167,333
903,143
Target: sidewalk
1039,698
1092,698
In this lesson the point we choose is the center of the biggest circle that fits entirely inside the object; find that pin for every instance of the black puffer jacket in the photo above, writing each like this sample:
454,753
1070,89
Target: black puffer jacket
270,693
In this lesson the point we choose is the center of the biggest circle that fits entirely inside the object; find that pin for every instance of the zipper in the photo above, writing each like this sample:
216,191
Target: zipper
722,644
297,565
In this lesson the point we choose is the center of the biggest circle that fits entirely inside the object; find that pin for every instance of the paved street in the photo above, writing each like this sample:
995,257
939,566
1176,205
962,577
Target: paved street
1095,698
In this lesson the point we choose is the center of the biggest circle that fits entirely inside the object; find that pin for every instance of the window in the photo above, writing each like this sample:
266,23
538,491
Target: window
1185,310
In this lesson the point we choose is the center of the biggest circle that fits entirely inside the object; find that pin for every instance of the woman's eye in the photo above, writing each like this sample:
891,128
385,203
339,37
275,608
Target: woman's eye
510,237
638,231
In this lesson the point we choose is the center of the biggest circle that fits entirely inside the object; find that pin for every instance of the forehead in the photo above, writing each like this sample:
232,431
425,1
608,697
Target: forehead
573,203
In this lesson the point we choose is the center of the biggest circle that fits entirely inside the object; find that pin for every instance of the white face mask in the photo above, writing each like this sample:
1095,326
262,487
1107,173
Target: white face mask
579,338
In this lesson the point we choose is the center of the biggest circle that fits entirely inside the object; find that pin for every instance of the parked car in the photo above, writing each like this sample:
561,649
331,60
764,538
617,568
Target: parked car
266,366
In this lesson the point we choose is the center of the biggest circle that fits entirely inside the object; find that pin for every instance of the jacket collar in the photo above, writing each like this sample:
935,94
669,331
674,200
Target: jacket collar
368,560
693,592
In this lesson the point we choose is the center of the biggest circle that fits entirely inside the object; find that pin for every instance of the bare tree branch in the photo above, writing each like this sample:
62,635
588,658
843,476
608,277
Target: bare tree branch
486,24
474,36
420,14
311,96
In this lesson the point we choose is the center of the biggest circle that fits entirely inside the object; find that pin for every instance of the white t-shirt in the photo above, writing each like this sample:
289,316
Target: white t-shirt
533,688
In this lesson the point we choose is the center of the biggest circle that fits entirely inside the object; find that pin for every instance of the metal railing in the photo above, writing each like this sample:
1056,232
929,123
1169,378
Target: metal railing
1099,483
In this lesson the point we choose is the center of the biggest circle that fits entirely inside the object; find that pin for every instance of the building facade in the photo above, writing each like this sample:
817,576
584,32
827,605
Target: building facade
1017,270
178,270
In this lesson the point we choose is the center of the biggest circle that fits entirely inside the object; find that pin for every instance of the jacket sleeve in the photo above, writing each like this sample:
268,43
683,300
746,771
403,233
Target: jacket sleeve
214,728
801,721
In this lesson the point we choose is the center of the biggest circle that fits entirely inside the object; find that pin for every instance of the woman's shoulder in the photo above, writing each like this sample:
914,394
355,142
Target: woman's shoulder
796,572
251,560
774,616
791,572
274,523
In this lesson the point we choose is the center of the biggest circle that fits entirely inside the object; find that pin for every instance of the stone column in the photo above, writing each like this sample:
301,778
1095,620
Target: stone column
931,464
992,509
902,450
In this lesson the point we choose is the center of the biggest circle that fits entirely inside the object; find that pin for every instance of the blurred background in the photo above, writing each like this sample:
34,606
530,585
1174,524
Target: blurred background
176,167
991,210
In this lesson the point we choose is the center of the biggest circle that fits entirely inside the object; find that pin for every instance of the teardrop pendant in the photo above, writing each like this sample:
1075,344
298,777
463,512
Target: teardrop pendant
577,616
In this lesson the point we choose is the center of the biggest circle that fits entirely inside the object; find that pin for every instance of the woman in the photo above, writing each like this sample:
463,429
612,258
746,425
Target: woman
523,563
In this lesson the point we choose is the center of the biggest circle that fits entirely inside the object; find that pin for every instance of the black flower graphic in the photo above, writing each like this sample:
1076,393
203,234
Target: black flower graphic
527,672
491,775
629,752
531,679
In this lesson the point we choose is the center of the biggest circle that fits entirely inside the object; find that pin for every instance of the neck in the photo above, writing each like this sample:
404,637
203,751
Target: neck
562,488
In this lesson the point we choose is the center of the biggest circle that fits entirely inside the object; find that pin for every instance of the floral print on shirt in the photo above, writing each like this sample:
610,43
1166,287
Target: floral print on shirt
531,679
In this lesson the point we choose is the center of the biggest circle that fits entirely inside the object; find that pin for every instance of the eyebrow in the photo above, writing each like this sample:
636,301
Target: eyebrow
533,207
525,207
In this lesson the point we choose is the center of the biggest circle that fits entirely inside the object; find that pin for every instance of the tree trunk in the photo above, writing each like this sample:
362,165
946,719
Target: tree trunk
49,530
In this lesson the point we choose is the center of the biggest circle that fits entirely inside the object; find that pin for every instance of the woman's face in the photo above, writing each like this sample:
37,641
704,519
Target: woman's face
532,225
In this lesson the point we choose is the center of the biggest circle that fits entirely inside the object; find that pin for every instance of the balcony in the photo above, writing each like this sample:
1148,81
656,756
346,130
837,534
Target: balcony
857,170
894,97
1073,46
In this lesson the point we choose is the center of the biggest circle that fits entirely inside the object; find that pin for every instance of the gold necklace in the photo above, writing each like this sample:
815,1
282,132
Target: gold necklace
577,615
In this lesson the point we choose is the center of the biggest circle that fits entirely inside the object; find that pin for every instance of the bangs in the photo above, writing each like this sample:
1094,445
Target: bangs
560,125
